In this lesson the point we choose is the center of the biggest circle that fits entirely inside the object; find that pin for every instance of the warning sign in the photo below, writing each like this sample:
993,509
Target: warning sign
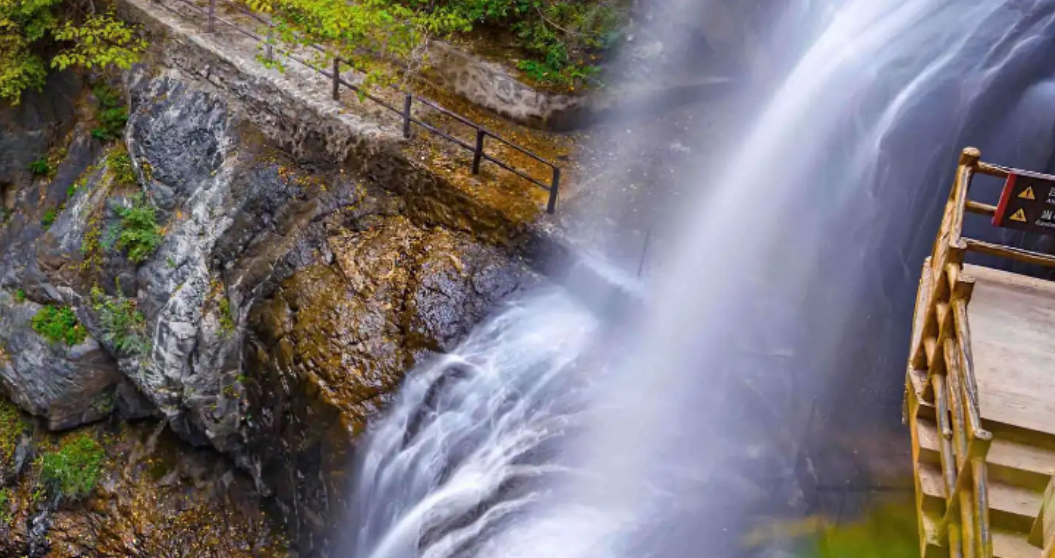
1027,203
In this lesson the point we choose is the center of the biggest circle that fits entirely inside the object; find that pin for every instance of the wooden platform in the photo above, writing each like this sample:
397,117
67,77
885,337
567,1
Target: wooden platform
1012,320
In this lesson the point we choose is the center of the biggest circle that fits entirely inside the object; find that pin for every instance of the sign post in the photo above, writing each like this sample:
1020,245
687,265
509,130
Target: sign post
1027,204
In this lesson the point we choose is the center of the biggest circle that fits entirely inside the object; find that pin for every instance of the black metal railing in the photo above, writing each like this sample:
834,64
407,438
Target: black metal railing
404,112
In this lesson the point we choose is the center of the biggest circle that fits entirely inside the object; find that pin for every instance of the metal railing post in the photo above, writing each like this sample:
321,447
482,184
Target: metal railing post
212,16
478,154
336,78
554,190
408,99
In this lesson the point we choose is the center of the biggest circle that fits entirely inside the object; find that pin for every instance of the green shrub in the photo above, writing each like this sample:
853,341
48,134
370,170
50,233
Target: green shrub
140,232
50,214
560,37
5,502
20,296
122,323
41,167
39,35
226,316
59,324
11,428
121,166
111,114
70,472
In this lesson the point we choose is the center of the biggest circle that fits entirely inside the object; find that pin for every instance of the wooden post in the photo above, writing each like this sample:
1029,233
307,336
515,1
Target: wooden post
269,50
212,16
554,190
478,154
408,101
336,78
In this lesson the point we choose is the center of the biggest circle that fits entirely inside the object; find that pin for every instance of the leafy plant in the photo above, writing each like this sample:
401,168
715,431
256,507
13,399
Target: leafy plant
86,38
71,472
123,324
120,164
11,429
5,505
140,233
560,37
58,324
41,167
20,296
226,316
49,217
110,114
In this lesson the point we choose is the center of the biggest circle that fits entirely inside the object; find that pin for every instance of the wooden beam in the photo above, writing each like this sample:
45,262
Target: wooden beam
1019,254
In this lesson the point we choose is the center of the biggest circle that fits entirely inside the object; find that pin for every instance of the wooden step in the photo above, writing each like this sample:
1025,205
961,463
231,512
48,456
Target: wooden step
1006,544
1013,545
1010,507
1010,462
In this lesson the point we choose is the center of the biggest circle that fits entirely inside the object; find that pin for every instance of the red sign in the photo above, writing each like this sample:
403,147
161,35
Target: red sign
1027,203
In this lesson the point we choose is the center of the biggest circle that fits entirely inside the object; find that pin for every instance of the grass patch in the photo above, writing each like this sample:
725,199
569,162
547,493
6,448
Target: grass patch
70,472
120,164
11,429
41,167
123,324
226,316
58,324
5,506
50,214
110,114
20,296
140,233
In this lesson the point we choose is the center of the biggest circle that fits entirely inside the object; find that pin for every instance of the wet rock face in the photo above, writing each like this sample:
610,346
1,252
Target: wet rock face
338,338
153,496
279,311
68,386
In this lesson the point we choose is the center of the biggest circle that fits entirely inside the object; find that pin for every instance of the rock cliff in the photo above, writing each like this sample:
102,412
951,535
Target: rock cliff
270,311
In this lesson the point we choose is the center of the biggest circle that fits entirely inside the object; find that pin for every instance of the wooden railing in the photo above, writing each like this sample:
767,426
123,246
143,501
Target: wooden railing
943,352
333,73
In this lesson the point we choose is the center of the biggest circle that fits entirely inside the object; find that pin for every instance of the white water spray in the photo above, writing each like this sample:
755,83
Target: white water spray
794,273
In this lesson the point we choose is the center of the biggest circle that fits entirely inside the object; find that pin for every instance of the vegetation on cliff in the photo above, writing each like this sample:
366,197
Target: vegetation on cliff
70,472
38,35
11,428
58,324
560,37
140,232
122,322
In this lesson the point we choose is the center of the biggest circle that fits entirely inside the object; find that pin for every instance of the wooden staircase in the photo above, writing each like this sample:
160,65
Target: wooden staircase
1019,472
980,393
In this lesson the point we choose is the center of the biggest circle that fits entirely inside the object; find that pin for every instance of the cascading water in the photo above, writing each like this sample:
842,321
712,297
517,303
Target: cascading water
549,435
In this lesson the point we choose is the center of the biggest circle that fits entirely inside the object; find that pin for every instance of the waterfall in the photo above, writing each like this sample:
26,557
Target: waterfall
549,434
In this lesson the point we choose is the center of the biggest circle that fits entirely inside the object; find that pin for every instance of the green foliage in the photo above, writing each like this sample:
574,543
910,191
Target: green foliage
111,114
5,505
11,429
560,36
41,167
49,217
20,296
71,472
72,31
140,232
226,316
59,324
122,323
120,164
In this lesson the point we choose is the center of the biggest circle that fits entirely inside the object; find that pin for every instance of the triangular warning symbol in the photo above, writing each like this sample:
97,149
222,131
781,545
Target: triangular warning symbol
1019,216
1027,194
